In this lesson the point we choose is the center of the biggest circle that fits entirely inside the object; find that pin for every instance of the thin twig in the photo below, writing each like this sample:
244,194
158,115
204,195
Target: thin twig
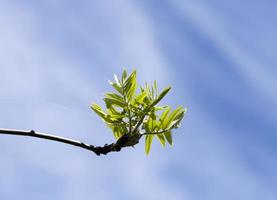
145,112
154,133
123,141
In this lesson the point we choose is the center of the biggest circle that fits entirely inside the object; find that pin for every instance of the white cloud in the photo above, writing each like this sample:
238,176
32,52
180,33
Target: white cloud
51,87
40,89
214,26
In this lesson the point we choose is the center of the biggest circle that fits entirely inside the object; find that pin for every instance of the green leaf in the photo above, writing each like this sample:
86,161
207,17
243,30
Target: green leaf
168,137
163,117
139,98
157,108
147,102
117,116
150,124
115,96
148,142
152,93
127,111
155,86
116,87
116,132
98,110
116,80
132,91
161,95
161,139
130,85
178,118
119,131
172,116
124,76
150,107
113,111
113,99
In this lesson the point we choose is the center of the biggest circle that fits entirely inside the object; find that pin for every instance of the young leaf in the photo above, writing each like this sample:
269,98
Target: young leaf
113,113
150,124
132,91
128,112
112,99
116,80
139,98
116,87
163,117
119,131
168,137
162,95
115,99
157,108
172,117
148,142
155,87
117,116
130,85
98,110
161,139
124,75
152,92
178,118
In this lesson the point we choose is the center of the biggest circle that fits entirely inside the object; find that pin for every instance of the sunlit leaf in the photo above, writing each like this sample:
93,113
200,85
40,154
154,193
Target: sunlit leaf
130,113
116,80
115,96
114,99
124,75
155,87
132,91
113,111
163,117
119,131
130,85
168,137
161,138
172,116
148,142
157,108
150,124
98,110
116,87
140,97
152,93
178,118
161,95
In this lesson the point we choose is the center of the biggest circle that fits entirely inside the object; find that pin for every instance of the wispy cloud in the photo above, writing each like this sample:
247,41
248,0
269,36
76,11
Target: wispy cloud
55,60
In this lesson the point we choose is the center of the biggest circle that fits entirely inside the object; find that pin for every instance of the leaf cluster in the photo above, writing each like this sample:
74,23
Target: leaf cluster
136,113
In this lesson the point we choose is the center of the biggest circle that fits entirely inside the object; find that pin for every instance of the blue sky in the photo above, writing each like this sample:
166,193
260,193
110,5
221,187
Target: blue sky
219,56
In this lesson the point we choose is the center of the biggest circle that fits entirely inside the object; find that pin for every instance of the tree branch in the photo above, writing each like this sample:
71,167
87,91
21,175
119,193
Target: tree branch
124,141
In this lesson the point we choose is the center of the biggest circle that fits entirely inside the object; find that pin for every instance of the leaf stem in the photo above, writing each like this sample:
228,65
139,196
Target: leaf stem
128,109
144,115
154,133
130,119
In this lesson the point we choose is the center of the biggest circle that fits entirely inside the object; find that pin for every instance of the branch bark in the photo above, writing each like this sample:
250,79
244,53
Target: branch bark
125,141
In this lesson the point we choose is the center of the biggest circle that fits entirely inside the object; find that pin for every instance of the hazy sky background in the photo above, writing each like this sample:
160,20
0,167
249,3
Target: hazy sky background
219,56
